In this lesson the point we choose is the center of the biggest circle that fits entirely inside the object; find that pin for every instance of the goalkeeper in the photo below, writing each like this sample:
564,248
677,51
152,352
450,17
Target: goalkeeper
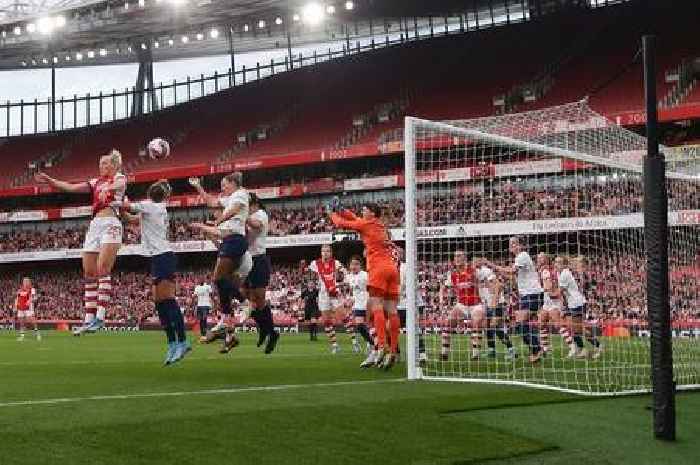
384,281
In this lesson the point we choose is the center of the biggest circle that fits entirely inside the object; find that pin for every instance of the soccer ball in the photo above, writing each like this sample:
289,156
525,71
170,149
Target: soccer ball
158,148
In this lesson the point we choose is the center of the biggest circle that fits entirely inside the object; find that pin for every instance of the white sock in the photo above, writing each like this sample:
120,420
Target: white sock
89,317
101,313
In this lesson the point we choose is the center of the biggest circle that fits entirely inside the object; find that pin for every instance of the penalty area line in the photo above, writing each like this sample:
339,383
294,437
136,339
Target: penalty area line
205,392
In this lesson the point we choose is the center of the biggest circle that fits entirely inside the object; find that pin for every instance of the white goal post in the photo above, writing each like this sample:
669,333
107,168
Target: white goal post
557,192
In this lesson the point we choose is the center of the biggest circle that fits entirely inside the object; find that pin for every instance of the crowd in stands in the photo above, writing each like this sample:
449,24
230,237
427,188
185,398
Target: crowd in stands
505,202
613,284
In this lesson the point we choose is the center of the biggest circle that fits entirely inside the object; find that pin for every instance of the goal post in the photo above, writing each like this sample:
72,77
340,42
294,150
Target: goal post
567,186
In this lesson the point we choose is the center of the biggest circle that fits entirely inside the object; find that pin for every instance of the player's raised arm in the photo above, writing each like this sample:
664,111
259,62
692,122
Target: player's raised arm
63,186
211,199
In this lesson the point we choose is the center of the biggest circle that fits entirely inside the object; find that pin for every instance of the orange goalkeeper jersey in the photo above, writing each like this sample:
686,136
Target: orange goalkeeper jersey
380,249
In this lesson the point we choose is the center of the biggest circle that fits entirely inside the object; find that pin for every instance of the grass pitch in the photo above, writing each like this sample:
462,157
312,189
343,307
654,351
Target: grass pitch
106,399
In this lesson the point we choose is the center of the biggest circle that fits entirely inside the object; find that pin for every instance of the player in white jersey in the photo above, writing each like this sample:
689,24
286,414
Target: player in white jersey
327,269
259,277
401,307
24,309
575,310
104,236
203,293
493,298
550,314
356,279
230,228
530,291
152,214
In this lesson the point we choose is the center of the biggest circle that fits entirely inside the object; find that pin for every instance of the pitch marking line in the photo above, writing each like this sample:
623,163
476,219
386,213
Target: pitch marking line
206,392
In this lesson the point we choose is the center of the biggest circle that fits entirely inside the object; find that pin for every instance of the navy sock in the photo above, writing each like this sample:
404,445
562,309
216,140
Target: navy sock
534,338
165,321
267,320
491,338
225,288
594,341
362,329
579,341
503,337
203,326
178,321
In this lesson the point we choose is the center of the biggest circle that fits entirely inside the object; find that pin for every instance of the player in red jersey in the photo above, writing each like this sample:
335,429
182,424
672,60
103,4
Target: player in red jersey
464,281
550,314
104,236
328,269
24,308
383,284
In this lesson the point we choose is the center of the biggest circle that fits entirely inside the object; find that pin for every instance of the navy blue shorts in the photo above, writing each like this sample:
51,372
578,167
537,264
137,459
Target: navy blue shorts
259,276
496,312
532,302
233,246
163,266
203,312
575,312
359,312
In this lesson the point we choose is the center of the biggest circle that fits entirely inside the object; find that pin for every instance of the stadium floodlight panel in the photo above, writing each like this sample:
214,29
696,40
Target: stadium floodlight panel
90,54
31,28
156,44
313,13
200,36
171,42
245,28
143,46
126,5
17,30
103,52
214,33
45,25
185,39
349,5
79,56
142,3
330,9
278,21
261,24
296,17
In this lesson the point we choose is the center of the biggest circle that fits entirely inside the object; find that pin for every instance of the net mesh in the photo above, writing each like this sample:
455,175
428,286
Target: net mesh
559,193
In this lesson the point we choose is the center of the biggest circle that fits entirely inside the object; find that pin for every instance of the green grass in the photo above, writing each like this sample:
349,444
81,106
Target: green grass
298,406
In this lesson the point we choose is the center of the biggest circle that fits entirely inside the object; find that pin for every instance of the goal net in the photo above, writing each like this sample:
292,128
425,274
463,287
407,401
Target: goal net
525,247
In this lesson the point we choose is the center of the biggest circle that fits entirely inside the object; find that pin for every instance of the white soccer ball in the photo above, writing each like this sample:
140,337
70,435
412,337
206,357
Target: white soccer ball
158,148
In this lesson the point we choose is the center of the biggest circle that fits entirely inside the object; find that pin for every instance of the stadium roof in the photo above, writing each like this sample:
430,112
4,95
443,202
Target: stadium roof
31,30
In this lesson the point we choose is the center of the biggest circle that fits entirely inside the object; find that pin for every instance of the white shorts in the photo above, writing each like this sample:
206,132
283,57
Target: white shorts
468,310
327,303
550,305
25,314
103,230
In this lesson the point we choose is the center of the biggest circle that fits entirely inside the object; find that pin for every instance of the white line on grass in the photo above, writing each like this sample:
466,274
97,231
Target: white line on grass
281,387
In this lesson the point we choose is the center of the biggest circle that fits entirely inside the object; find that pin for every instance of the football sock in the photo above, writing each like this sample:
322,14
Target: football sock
394,331
164,316
90,299
225,288
380,328
362,329
104,296
178,321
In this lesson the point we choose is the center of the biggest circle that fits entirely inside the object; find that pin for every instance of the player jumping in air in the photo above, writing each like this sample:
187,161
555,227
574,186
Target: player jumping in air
382,265
575,310
464,282
104,236
357,279
327,269
531,294
230,227
152,214
203,294
550,315
259,277
24,309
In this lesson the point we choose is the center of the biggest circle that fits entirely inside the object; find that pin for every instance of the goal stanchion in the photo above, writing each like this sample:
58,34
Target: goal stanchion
559,192
656,237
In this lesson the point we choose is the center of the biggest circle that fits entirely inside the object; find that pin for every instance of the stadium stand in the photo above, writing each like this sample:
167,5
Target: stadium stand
435,79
